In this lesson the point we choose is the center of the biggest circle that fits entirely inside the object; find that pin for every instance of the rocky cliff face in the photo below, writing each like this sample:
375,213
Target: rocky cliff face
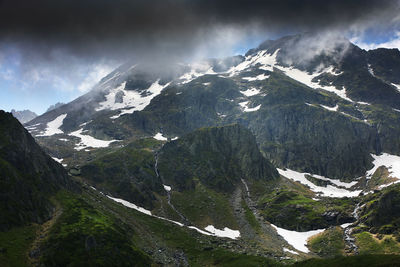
310,139
218,156
128,173
381,212
28,176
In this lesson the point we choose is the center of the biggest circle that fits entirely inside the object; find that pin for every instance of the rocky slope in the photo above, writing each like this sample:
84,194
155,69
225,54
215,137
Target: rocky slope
218,156
28,176
214,161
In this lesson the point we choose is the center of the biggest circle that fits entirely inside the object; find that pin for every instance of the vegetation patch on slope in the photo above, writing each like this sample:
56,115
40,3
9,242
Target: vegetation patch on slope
85,236
293,210
371,244
329,243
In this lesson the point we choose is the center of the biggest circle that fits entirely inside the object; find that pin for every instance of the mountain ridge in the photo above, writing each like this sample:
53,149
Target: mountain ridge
208,98
24,116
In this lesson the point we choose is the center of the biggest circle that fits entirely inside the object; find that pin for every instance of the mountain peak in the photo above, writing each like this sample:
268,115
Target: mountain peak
323,41
306,51
56,105
24,115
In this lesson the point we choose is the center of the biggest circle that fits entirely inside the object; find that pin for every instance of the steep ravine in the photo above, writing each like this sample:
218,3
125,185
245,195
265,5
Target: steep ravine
183,218
267,235
351,247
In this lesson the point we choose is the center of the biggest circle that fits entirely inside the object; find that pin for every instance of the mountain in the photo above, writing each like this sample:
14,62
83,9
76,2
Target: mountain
289,152
269,91
38,199
155,173
24,115
52,219
28,176
56,105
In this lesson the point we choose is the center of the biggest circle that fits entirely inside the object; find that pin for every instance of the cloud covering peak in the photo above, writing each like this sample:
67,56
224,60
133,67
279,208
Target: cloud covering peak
66,45
115,28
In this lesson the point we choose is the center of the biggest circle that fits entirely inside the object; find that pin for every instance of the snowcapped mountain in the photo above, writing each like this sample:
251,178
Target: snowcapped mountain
340,93
289,152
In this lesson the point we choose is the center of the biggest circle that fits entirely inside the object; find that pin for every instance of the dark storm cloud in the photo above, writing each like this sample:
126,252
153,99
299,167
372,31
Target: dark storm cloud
115,27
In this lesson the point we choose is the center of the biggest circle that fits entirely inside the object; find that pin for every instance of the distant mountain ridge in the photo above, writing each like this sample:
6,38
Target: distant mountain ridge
24,115
56,105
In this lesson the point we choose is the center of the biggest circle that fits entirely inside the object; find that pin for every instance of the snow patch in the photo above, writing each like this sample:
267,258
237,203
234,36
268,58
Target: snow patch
363,103
392,162
130,205
389,184
200,231
85,123
335,181
335,108
197,70
345,225
160,137
257,78
290,251
370,70
131,100
89,141
56,159
53,127
330,70
226,232
267,62
32,127
298,240
210,230
397,86
167,187
306,78
221,115
328,191
251,92
110,103
247,109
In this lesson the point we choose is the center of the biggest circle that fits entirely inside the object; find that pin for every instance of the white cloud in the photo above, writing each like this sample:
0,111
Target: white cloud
94,76
393,43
